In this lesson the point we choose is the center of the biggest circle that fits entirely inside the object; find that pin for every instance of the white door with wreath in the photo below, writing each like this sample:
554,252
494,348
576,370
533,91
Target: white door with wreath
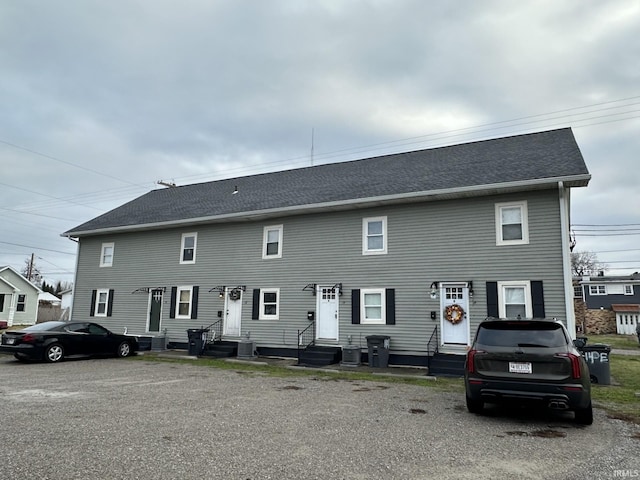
454,313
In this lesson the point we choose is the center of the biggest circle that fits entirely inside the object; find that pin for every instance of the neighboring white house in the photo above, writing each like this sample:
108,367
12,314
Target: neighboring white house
49,297
18,298
67,301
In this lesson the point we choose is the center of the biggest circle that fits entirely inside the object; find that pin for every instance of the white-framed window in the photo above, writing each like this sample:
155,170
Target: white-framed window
628,289
597,289
102,300
373,308
512,224
374,236
272,242
514,299
188,247
184,301
21,305
269,304
577,291
106,254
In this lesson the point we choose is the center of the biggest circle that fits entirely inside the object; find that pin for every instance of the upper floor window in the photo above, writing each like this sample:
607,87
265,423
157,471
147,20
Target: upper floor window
272,242
374,236
577,291
628,289
373,306
597,289
106,255
512,223
514,300
188,248
22,303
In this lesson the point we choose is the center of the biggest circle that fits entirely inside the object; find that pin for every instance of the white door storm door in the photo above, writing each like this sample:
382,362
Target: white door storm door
454,314
232,312
155,310
327,317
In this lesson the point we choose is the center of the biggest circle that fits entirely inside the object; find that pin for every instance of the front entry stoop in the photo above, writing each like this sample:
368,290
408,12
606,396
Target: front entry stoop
318,356
447,365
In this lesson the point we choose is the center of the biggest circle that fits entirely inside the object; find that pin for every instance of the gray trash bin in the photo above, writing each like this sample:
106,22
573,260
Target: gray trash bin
597,356
197,339
378,350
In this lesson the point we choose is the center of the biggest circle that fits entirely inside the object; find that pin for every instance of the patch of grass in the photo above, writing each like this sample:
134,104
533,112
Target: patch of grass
623,342
620,400
441,384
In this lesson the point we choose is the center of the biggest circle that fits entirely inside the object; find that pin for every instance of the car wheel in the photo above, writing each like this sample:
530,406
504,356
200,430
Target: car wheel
474,406
584,416
124,349
54,353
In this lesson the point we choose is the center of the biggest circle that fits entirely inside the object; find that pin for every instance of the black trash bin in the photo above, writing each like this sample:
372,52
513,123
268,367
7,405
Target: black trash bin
597,356
378,350
197,339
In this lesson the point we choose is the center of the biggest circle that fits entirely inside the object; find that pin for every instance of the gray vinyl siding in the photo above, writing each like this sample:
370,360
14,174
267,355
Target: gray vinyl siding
452,240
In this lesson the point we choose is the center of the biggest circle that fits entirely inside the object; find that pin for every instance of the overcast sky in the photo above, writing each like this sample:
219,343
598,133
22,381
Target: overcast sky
101,99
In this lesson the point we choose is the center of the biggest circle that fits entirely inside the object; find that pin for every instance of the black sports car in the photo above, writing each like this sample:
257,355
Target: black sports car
53,341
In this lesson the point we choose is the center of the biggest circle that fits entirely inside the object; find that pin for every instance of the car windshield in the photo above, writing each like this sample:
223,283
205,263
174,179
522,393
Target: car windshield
522,334
39,327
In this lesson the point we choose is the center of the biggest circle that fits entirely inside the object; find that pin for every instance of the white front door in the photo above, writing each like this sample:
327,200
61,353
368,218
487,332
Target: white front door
454,314
232,312
327,307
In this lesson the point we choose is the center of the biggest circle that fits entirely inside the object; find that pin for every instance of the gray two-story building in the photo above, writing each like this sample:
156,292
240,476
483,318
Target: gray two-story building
418,246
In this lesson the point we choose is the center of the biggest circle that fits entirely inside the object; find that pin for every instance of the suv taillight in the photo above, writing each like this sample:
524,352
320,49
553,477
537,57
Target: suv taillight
575,363
471,360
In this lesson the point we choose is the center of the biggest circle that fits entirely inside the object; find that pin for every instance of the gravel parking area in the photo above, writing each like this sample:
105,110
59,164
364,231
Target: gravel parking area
116,419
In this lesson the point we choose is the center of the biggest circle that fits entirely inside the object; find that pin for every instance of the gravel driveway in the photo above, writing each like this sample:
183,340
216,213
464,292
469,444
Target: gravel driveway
116,419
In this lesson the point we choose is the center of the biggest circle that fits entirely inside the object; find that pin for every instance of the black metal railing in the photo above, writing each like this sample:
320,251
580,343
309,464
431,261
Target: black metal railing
306,338
214,332
432,346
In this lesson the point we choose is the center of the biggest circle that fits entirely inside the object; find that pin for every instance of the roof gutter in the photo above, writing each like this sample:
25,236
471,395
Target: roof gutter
430,195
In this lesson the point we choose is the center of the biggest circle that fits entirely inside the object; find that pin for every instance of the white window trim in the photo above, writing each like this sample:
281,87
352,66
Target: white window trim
365,232
383,307
525,223
597,292
528,307
265,234
628,289
113,251
264,316
184,289
195,247
106,303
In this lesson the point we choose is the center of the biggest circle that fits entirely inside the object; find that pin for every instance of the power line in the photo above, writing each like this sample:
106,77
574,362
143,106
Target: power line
36,248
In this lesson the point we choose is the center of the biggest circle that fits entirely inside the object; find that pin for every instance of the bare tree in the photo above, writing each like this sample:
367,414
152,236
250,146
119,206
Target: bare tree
586,264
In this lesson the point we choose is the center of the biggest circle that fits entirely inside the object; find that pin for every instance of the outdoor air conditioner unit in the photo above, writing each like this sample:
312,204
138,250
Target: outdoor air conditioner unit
350,356
246,349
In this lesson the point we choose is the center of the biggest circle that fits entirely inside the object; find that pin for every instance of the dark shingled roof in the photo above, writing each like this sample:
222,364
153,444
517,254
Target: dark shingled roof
495,165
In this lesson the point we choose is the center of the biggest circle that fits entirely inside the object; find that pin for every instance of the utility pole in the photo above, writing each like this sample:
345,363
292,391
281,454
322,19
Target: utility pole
30,269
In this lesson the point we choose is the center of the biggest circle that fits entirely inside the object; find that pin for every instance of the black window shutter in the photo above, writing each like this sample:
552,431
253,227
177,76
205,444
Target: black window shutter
1,302
537,298
194,302
390,294
94,293
492,300
355,306
255,312
172,308
110,303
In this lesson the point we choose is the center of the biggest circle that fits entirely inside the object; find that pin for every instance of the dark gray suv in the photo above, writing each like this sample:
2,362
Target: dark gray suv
527,361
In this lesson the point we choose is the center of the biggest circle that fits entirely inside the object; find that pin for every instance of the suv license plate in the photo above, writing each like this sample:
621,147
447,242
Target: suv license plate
520,367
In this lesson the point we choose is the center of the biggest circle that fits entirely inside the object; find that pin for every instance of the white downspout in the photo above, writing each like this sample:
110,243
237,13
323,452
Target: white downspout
564,199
